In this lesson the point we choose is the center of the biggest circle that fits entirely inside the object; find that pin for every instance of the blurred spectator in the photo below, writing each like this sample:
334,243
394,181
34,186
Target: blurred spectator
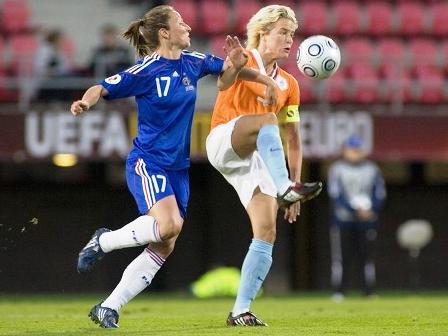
50,62
110,57
357,192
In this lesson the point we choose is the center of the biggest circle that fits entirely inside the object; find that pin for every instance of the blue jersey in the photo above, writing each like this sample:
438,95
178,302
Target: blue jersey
165,92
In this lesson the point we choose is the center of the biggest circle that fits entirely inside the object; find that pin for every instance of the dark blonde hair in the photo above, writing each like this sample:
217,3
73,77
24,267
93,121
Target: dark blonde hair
144,33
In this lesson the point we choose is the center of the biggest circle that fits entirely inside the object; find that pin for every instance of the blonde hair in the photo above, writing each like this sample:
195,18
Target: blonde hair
144,33
264,20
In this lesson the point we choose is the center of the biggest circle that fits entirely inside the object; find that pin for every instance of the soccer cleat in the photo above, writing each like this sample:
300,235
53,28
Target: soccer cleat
247,319
299,192
91,253
105,317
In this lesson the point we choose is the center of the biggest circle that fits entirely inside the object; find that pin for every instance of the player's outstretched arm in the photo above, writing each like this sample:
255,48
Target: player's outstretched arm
90,98
235,61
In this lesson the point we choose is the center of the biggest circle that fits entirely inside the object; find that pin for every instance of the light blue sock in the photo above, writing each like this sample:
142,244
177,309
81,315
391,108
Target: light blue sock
256,266
270,147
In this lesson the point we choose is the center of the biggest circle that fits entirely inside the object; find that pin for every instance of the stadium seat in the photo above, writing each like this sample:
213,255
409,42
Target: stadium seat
423,52
398,86
430,87
23,47
358,50
188,10
14,16
214,17
379,18
313,18
365,84
347,17
216,45
392,51
335,88
410,18
243,11
439,19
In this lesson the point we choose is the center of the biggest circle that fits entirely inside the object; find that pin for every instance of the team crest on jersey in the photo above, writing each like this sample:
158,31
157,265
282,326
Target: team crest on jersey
282,83
115,79
187,83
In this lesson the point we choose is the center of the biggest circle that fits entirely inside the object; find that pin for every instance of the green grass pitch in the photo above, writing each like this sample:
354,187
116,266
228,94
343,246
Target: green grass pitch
306,314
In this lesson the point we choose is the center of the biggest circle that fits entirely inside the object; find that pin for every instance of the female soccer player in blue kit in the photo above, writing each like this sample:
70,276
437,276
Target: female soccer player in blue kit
164,84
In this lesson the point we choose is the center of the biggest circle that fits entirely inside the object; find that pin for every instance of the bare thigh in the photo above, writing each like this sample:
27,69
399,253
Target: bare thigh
245,132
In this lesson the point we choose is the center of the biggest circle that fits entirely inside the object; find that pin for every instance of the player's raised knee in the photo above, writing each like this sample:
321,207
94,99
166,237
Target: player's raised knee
170,228
270,119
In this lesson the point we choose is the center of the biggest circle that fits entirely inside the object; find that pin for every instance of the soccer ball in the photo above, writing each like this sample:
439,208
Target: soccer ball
318,57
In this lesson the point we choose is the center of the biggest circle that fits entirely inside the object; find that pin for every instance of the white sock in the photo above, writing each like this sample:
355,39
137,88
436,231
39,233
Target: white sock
136,277
140,232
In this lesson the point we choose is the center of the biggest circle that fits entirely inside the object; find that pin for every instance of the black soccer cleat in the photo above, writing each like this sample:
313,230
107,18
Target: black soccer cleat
105,317
91,253
299,192
247,319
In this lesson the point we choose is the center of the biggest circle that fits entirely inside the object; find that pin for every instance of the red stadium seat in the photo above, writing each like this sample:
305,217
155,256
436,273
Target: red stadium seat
335,88
14,16
347,17
392,51
188,10
410,18
379,18
439,19
398,86
290,3
313,18
423,52
214,17
244,10
23,48
217,44
430,87
358,50
365,84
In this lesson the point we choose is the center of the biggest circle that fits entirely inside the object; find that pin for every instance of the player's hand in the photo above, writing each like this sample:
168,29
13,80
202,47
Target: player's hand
235,52
79,107
364,214
292,212
270,94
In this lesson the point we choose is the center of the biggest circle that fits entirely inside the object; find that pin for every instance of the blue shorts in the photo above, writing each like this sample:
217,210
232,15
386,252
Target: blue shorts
149,183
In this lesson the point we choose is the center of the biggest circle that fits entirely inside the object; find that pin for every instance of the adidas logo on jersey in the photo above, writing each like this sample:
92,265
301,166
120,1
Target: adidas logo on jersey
175,74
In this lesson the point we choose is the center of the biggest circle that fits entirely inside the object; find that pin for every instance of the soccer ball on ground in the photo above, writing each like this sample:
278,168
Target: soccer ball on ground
318,57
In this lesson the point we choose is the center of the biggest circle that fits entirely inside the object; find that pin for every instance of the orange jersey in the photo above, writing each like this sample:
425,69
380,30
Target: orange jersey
244,97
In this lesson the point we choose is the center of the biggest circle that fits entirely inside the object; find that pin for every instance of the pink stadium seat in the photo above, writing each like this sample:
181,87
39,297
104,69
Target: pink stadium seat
14,16
423,52
392,51
335,88
358,50
398,85
365,84
430,87
23,48
313,17
347,17
410,18
214,17
216,45
244,10
379,18
439,19
188,10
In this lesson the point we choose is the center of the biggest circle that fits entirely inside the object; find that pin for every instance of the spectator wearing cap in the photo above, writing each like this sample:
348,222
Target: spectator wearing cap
357,193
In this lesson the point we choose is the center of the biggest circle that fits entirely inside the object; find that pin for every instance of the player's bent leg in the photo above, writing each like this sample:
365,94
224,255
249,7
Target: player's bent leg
91,253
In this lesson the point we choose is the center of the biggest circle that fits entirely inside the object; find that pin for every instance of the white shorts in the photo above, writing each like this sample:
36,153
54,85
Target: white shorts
245,175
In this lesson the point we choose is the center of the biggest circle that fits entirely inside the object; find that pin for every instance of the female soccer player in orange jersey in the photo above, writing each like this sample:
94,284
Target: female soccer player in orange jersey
244,145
